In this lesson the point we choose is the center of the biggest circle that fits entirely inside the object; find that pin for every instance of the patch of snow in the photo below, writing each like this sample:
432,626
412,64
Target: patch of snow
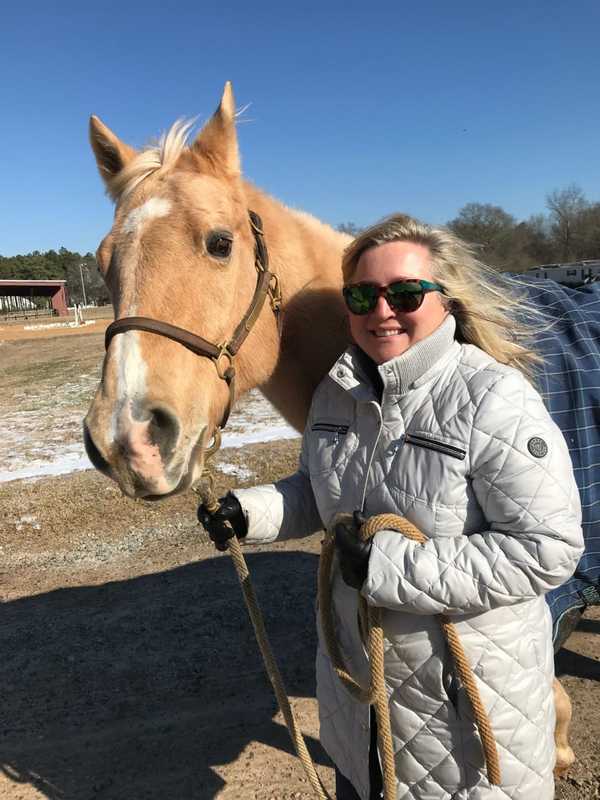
71,462
234,469
27,520
59,325
44,437
270,434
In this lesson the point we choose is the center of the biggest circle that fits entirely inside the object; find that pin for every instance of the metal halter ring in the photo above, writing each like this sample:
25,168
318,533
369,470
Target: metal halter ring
227,373
275,293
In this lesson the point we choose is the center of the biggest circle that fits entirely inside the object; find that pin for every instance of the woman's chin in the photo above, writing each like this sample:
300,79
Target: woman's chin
382,349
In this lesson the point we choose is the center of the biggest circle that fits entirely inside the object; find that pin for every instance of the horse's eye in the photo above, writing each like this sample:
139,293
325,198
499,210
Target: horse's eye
219,243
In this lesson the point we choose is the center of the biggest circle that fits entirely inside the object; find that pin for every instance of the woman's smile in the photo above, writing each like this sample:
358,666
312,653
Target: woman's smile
387,332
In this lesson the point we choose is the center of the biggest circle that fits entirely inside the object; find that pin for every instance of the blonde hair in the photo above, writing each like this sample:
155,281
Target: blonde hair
490,309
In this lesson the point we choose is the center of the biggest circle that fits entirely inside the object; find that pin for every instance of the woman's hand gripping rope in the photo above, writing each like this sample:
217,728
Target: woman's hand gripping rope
223,522
353,552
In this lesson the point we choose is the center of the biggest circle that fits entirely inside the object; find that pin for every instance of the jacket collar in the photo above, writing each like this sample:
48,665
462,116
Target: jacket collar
353,370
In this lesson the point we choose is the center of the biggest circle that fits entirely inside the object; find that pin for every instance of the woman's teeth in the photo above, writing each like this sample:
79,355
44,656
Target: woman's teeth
394,332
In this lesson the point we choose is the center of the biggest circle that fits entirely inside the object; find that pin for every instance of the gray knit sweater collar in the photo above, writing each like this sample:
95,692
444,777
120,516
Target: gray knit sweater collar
398,374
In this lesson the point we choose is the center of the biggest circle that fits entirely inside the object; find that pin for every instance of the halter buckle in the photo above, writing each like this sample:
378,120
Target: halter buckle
274,290
228,372
212,448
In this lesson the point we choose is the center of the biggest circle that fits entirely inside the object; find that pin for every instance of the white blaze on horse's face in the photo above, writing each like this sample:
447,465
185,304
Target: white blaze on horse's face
132,369
151,209
129,428
128,361
149,420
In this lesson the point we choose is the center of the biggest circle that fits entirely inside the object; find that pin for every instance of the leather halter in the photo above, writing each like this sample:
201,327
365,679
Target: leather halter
267,283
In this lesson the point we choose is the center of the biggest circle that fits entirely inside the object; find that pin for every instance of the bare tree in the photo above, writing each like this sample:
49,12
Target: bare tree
588,232
490,229
566,207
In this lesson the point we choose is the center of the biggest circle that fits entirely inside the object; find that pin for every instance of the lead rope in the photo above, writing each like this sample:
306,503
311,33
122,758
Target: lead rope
209,498
376,694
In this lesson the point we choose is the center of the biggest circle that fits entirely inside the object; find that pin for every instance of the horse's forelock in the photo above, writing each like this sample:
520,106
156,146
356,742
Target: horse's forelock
162,155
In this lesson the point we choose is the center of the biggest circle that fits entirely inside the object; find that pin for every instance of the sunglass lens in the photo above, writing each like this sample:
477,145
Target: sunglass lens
360,299
405,296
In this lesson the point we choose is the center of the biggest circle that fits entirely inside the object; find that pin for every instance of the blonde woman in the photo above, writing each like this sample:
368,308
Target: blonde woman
430,414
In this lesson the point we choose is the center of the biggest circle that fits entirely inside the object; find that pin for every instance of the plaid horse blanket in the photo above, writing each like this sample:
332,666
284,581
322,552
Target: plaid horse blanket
570,385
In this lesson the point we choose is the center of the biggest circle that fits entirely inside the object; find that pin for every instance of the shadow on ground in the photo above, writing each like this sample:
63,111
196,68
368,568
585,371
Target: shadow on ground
137,689
576,665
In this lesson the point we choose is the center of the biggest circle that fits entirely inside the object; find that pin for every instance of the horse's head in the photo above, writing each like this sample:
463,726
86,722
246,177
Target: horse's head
182,251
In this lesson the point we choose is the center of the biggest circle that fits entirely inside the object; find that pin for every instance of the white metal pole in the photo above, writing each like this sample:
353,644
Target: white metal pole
82,285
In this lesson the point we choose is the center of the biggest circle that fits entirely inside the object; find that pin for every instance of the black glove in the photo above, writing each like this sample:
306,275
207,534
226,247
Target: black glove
353,555
229,511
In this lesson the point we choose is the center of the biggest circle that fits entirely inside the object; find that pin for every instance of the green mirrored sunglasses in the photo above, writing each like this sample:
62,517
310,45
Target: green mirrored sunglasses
361,298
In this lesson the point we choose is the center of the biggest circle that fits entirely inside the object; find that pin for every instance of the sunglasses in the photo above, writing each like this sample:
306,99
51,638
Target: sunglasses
361,298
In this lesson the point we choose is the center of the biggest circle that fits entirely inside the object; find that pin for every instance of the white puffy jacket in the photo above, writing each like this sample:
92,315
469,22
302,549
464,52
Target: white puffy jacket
464,448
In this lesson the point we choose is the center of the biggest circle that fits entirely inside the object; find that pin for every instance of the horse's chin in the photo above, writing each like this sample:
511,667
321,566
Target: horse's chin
177,479
132,485
184,484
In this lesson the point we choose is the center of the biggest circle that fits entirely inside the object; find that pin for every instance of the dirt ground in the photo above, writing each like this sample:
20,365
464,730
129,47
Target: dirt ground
129,670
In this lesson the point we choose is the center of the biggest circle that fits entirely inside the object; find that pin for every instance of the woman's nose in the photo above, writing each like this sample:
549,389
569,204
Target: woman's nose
383,308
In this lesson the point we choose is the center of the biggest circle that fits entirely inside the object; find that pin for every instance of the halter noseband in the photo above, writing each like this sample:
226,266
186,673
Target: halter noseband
267,283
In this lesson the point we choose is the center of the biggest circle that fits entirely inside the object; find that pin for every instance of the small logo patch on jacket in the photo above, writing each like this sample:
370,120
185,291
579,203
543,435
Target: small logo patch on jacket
537,447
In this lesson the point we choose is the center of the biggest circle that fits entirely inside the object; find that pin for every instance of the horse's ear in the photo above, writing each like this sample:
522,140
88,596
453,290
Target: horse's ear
111,153
217,141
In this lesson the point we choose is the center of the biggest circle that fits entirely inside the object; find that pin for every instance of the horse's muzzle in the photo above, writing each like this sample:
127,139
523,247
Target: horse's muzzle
144,454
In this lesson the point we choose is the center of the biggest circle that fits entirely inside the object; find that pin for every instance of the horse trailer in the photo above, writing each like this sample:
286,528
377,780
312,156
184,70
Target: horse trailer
576,273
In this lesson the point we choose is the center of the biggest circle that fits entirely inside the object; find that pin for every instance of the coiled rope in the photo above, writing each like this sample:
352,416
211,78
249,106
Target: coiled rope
370,618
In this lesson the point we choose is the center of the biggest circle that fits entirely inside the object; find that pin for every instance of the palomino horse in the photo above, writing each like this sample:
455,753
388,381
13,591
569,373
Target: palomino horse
182,251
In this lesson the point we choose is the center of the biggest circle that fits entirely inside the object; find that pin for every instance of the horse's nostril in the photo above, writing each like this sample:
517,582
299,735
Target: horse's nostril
94,454
161,418
164,430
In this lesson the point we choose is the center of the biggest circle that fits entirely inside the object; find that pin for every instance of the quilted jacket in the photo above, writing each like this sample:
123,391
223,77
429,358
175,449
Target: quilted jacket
464,448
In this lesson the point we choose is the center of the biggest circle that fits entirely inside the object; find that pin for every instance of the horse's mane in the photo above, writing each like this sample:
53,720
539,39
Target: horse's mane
161,155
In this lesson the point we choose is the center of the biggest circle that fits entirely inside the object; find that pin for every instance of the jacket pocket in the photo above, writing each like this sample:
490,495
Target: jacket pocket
419,440
330,427
328,445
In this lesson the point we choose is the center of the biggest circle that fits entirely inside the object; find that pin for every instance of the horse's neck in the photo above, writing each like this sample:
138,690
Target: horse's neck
306,256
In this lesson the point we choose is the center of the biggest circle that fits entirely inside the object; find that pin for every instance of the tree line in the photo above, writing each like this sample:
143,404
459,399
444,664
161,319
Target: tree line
569,230
63,264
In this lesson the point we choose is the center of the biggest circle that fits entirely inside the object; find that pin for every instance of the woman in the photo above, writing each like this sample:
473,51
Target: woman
430,415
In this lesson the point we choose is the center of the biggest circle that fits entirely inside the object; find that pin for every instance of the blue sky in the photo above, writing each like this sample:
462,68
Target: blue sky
357,109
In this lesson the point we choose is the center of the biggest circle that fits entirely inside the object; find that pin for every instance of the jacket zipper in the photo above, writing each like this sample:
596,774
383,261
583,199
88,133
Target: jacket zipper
330,426
372,456
432,444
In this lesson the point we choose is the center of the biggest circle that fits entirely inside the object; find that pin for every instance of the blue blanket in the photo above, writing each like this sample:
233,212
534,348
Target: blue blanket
570,385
